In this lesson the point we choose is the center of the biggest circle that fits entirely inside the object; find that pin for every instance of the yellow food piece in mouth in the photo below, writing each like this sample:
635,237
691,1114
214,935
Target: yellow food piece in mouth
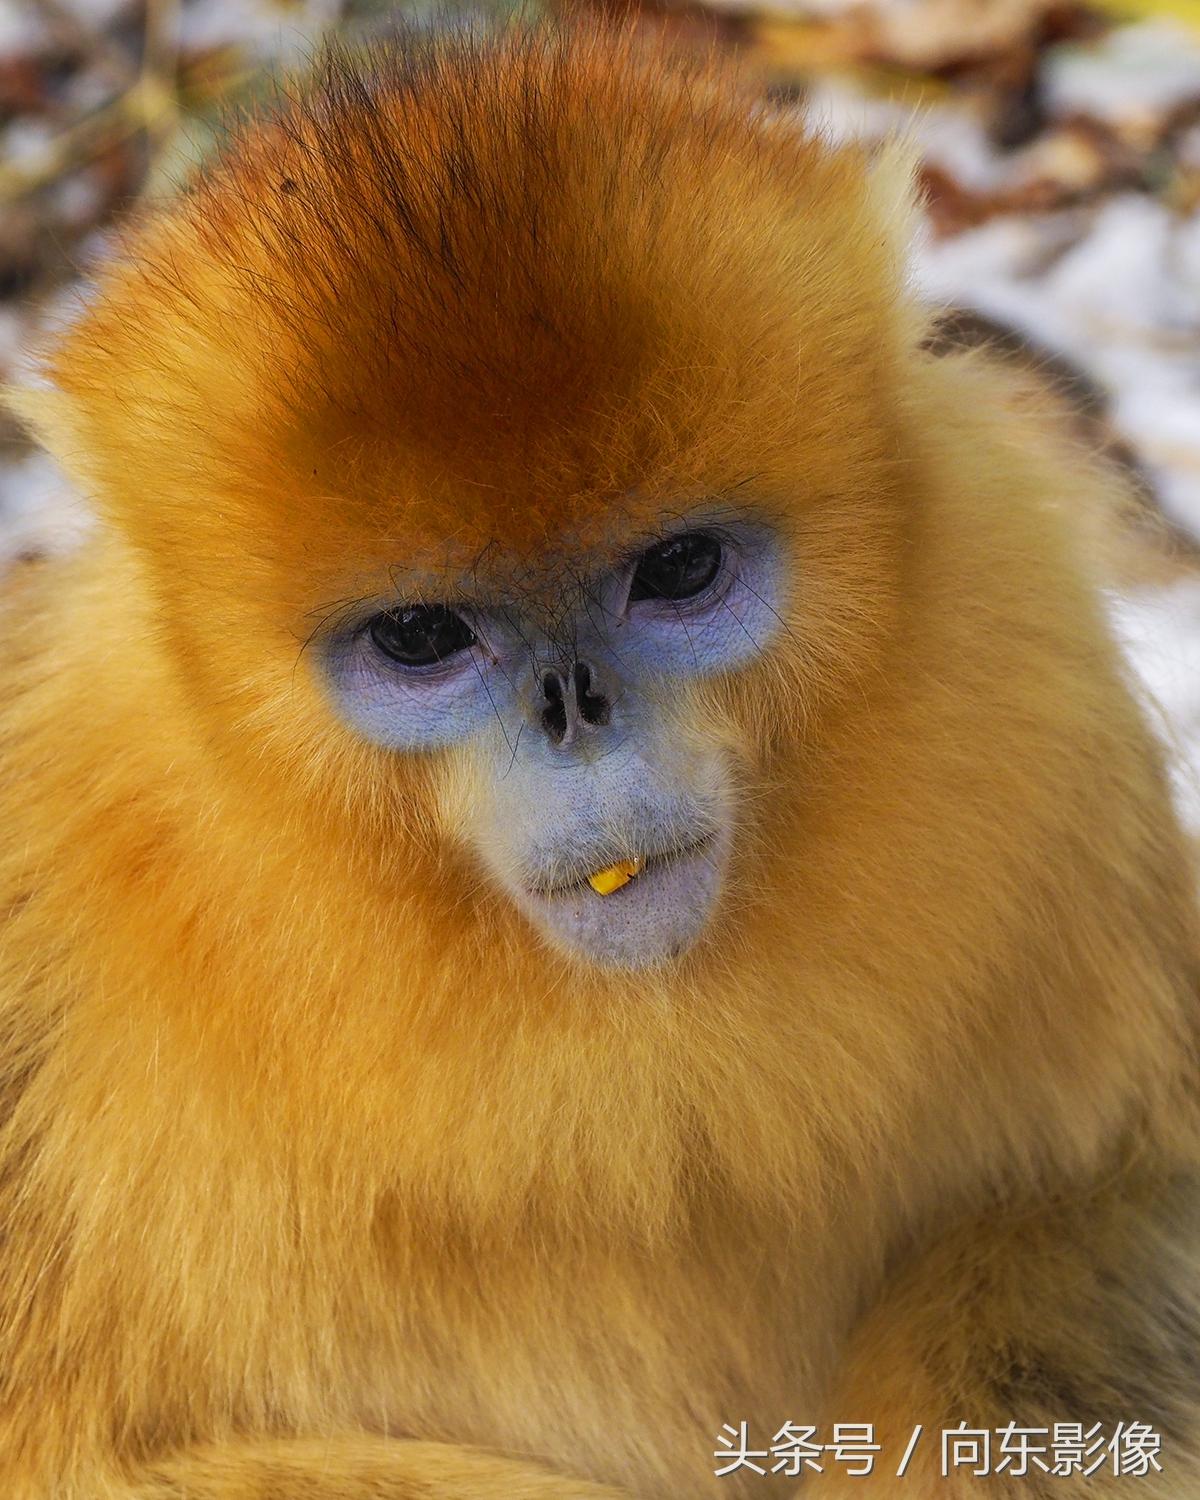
605,882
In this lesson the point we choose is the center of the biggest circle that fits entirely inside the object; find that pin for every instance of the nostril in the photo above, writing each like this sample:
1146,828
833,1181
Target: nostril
593,706
554,720
554,715
568,701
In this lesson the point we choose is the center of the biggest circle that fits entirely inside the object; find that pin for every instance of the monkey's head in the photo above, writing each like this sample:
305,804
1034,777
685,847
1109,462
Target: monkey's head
505,435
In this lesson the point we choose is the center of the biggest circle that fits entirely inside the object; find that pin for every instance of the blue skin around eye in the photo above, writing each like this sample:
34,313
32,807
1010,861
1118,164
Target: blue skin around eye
722,630
413,710
404,710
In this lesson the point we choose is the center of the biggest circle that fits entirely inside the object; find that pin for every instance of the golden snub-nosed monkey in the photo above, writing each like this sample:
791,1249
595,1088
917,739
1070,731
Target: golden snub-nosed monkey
577,864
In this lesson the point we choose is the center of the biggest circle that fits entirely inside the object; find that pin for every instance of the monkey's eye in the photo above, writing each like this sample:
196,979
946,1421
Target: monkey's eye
420,635
679,568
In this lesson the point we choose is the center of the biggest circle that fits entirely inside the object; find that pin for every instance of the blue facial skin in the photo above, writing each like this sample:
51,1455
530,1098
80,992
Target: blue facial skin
577,732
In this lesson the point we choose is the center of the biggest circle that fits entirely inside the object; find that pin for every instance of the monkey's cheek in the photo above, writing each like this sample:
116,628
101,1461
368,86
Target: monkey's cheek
654,918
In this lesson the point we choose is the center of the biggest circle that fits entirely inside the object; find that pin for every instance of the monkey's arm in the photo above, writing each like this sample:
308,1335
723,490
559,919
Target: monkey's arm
1087,1312
352,1467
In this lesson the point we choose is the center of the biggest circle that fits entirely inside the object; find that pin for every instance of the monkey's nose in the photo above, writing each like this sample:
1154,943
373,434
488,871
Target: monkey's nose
569,699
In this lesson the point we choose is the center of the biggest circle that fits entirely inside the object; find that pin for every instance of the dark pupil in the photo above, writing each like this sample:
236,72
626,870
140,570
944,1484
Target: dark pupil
677,569
420,634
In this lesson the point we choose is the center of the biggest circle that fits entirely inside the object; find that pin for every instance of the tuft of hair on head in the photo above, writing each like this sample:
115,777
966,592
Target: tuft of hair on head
560,262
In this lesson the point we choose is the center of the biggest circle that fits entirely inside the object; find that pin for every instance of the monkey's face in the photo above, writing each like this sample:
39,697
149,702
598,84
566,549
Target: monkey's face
585,383
572,715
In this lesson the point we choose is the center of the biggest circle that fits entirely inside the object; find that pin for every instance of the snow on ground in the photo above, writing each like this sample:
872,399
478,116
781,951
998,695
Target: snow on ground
1123,300
41,514
1160,630
1111,281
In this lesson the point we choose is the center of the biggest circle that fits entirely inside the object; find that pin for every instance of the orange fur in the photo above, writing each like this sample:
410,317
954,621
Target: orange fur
313,1156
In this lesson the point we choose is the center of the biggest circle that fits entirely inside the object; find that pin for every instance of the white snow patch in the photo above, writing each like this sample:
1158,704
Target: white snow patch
39,510
1160,632
1117,291
1135,74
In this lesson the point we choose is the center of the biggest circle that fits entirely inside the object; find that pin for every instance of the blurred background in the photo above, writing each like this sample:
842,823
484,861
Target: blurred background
1060,149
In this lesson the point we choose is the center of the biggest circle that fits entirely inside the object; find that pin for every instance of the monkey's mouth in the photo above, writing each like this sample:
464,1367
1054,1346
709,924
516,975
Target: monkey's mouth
654,916
648,864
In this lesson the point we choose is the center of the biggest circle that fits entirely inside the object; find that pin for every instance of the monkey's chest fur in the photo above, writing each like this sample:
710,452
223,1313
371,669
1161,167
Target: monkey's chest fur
621,1364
